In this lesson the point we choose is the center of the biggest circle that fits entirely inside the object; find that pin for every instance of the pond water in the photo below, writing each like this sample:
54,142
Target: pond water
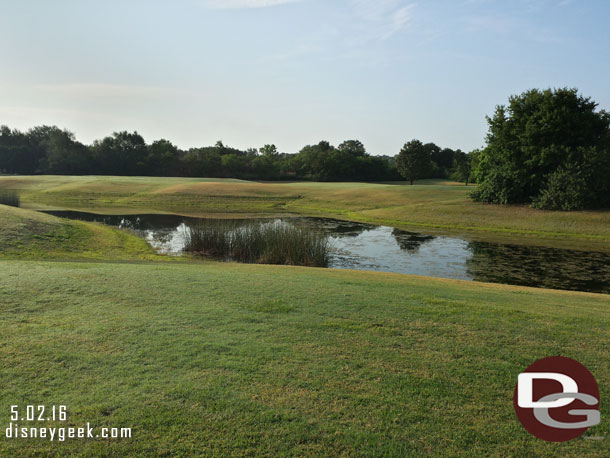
370,247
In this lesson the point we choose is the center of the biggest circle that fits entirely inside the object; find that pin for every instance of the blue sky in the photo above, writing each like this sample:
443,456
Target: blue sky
292,72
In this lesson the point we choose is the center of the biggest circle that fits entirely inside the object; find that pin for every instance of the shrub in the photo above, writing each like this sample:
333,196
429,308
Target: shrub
566,189
574,187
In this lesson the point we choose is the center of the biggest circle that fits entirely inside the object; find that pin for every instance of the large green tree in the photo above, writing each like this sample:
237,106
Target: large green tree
123,153
161,158
547,147
461,166
413,161
65,155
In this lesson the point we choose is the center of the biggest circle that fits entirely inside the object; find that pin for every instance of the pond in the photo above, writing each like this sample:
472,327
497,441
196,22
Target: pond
371,247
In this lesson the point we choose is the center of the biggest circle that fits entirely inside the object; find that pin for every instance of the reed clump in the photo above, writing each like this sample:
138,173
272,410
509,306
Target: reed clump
276,242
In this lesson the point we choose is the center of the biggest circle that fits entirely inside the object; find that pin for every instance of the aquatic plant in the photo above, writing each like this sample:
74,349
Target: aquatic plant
276,242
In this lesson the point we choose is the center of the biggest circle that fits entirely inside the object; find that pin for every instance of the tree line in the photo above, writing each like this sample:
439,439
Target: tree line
51,150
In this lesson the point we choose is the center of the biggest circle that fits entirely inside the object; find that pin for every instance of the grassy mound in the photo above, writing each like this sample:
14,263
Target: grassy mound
216,359
26,234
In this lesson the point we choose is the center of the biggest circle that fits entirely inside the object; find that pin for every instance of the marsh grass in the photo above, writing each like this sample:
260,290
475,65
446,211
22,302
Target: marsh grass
10,198
276,242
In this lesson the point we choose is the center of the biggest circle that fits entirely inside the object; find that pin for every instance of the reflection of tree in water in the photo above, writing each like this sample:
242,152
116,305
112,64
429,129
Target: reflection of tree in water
539,266
410,241
137,222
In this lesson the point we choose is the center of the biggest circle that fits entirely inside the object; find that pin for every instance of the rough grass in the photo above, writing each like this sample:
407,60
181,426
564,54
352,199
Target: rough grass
243,360
432,206
25,234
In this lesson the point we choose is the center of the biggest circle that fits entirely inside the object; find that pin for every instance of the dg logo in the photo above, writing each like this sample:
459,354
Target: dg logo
557,399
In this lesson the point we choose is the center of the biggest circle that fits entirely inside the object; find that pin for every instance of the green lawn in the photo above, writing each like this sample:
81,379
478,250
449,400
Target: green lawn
431,206
207,358
234,360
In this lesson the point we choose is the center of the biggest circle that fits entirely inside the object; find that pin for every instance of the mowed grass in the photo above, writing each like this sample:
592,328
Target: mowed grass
222,359
249,360
434,206
26,234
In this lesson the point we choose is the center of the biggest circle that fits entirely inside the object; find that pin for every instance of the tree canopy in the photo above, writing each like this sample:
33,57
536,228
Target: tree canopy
549,148
414,160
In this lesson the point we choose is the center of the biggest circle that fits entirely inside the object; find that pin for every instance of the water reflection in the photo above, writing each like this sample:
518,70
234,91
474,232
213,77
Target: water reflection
540,266
369,247
410,241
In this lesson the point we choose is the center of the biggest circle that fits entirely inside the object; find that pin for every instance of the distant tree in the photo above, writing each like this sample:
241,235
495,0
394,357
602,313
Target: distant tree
413,160
316,162
269,150
221,148
123,153
48,149
445,158
264,167
267,164
67,156
202,162
354,148
433,168
235,165
38,139
42,149
161,158
15,152
461,166
544,134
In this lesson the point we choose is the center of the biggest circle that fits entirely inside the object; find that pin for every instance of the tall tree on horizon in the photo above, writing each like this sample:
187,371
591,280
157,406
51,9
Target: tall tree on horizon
413,160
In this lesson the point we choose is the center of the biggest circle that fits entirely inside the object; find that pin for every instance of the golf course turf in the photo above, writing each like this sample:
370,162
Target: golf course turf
231,360
225,359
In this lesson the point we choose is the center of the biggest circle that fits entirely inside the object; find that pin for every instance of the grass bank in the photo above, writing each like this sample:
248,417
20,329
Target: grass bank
250,360
25,234
431,206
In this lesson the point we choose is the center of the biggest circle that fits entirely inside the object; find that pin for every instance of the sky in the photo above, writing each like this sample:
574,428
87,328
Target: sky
292,72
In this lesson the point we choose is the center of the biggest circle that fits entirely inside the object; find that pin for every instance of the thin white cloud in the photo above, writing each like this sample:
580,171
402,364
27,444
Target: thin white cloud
387,16
398,20
237,4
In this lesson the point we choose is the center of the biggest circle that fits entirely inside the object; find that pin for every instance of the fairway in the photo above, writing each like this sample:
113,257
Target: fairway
432,206
234,360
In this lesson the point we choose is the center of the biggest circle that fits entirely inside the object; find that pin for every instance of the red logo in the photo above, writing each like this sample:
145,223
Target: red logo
557,399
